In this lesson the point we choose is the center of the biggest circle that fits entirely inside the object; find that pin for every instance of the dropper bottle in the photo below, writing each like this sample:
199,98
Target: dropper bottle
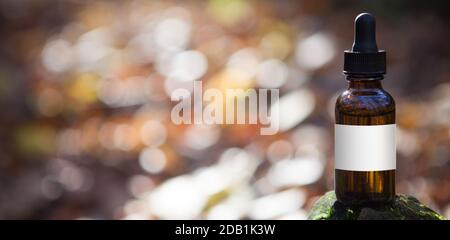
365,154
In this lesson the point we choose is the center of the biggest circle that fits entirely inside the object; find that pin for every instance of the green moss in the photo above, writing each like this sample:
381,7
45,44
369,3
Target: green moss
403,208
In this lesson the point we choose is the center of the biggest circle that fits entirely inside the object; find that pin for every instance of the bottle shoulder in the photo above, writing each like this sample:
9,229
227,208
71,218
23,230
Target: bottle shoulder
365,102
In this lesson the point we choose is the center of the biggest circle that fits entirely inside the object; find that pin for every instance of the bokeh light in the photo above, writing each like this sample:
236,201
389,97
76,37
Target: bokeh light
86,91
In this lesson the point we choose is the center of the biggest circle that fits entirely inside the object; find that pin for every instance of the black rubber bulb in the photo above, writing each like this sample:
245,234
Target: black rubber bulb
365,40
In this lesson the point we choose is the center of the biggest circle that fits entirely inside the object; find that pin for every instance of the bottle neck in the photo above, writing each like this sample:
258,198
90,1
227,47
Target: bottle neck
364,82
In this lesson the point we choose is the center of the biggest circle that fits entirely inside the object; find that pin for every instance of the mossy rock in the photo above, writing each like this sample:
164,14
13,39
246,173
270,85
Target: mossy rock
403,208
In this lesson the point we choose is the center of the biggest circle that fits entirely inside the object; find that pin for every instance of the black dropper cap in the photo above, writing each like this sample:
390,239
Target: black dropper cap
365,59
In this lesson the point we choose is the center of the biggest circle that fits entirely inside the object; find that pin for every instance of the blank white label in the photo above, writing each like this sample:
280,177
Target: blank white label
365,148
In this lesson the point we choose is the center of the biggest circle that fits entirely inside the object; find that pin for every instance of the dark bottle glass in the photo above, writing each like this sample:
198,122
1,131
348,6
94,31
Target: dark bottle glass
366,103
365,124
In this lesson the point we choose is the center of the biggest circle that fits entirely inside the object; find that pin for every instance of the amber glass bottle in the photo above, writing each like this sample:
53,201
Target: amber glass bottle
365,158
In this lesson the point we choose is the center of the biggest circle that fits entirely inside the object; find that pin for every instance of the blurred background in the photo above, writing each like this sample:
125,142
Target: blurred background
85,131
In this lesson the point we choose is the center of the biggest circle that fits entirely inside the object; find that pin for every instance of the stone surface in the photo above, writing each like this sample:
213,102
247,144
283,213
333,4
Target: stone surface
403,208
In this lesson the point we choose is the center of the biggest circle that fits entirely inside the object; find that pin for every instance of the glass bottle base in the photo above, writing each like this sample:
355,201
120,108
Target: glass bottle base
365,188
